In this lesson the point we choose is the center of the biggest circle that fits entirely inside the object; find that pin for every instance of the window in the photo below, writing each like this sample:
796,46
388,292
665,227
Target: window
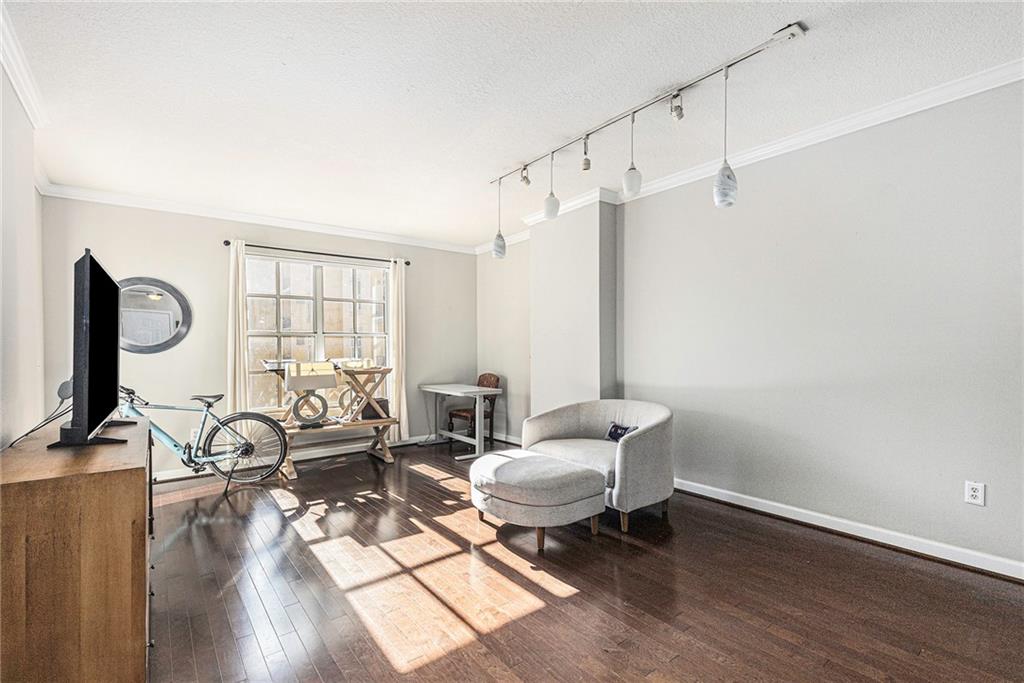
311,310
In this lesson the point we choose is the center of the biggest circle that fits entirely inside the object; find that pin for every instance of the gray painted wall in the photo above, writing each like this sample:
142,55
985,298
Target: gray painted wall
847,339
572,308
22,394
503,332
187,252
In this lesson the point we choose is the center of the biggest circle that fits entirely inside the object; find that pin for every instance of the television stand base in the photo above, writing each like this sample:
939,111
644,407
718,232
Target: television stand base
94,441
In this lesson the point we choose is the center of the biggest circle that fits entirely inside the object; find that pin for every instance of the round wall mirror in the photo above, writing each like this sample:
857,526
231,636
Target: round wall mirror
155,315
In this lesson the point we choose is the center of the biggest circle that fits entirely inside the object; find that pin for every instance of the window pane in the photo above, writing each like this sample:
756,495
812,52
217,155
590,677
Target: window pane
260,349
340,347
338,316
263,390
370,284
338,282
296,279
375,348
259,276
369,317
262,314
296,315
297,348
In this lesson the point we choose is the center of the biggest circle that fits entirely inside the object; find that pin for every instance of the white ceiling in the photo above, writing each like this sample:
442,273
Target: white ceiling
393,117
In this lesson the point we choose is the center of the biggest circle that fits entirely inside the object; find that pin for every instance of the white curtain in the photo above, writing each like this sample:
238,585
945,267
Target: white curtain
396,327
238,345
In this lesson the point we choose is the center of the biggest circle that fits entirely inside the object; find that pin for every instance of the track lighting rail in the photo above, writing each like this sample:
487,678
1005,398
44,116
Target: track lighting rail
794,30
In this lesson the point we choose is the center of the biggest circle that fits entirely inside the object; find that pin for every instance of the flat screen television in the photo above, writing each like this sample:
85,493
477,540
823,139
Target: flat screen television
97,345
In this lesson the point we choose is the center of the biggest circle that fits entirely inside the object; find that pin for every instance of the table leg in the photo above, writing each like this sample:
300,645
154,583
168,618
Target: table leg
480,439
380,439
287,470
435,437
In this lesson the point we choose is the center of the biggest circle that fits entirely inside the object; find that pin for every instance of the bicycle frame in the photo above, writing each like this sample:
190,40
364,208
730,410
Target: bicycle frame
190,457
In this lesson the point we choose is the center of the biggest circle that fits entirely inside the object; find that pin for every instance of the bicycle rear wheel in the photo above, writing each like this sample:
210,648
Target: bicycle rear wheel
259,452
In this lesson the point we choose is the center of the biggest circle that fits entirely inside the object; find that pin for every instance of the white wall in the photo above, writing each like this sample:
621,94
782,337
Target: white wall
187,251
22,398
572,308
503,332
847,338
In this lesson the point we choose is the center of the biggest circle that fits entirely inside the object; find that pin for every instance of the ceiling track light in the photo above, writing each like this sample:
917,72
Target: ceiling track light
725,187
498,249
675,106
631,179
674,96
551,202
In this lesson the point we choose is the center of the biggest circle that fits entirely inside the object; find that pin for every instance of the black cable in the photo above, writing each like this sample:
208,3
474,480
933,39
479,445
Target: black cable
47,420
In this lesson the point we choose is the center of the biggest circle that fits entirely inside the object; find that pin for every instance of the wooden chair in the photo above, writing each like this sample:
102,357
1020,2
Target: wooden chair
491,381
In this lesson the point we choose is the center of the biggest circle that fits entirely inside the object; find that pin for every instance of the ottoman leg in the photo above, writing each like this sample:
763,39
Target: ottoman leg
593,525
664,509
480,514
624,521
540,538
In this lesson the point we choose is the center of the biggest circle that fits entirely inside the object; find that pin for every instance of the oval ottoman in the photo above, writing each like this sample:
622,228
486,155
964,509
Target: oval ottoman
534,490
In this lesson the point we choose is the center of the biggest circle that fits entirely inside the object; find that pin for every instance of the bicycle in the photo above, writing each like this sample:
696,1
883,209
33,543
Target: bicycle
254,444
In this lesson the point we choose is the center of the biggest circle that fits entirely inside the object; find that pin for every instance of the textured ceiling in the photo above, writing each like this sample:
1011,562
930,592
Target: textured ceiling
393,117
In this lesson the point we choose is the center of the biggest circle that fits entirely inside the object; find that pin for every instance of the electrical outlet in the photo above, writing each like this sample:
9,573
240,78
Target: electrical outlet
193,435
974,493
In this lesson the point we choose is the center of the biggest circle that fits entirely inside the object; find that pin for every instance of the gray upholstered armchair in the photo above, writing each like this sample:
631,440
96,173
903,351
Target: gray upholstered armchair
637,469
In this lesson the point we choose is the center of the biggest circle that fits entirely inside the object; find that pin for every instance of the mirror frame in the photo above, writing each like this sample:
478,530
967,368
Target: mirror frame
182,301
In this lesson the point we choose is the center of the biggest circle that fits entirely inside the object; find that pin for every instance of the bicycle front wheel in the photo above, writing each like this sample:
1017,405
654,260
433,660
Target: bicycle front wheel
252,447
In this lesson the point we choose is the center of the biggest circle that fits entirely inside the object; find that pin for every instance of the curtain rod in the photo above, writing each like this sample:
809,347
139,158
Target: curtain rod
227,243
794,30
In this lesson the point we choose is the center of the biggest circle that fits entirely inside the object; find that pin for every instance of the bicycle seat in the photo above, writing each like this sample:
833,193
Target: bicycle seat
207,399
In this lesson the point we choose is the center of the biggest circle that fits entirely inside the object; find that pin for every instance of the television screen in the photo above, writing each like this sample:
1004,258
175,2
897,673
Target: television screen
97,345
102,328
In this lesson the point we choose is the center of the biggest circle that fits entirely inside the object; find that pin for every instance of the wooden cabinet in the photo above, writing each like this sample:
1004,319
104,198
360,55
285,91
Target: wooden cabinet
74,569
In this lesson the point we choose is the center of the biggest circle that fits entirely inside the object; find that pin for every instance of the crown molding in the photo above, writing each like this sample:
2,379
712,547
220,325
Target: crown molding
48,189
979,82
14,63
598,194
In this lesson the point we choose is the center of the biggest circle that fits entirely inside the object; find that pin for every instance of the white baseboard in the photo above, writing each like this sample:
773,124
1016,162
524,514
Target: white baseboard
508,438
924,546
298,455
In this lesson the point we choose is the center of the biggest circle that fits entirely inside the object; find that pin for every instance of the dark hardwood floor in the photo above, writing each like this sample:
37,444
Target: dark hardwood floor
362,571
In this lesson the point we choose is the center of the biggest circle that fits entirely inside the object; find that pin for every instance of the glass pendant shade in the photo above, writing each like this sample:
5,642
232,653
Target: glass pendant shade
726,188
631,181
551,205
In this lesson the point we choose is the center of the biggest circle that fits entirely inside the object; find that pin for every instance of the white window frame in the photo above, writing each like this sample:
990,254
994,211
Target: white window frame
318,334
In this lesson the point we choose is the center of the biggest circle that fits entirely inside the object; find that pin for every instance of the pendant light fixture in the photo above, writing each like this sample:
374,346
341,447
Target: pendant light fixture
631,179
498,248
725,188
551,202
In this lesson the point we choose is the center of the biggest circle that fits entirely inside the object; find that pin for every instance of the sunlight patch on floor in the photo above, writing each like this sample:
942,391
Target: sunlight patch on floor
430,471
409,624
286,500
416,549
529,570
308,525
350,564
478,593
